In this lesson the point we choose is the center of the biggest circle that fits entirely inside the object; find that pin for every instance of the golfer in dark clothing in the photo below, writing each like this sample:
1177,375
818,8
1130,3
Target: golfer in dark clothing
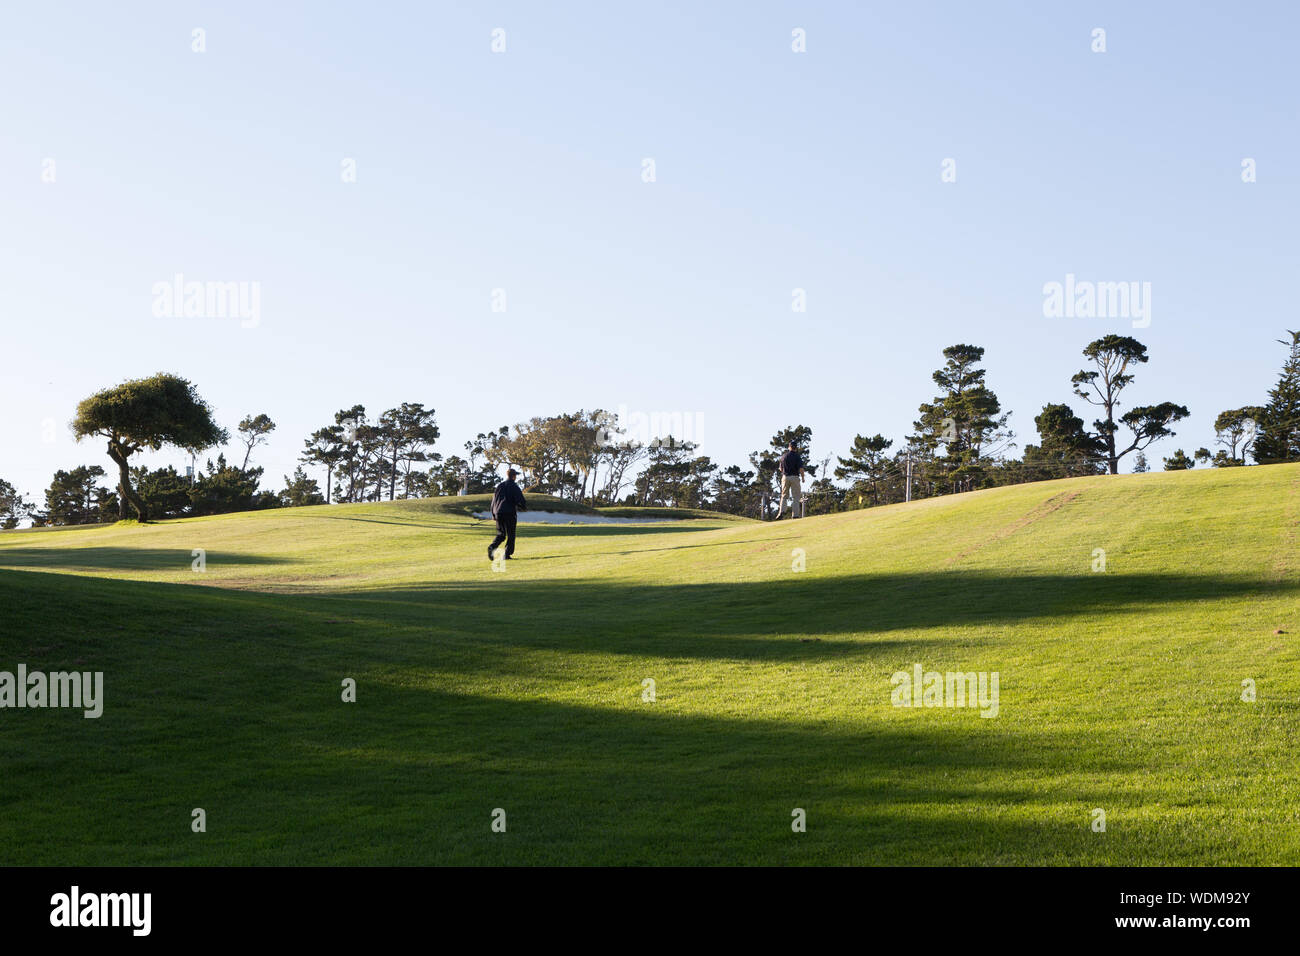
507,502
791,469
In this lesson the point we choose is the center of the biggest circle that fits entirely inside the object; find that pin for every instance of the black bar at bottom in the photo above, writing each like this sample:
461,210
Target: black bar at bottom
939,905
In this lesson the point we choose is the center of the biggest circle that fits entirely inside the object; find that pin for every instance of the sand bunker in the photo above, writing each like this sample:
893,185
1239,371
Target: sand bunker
559,517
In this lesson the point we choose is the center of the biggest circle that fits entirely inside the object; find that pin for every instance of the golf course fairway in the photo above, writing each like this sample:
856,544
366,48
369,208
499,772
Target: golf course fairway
1144,630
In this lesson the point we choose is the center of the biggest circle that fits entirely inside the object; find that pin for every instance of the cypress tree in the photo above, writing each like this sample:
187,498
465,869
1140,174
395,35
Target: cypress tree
1279,432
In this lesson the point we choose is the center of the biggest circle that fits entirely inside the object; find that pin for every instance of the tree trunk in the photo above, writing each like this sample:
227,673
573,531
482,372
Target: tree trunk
1109,405
125,491
329,480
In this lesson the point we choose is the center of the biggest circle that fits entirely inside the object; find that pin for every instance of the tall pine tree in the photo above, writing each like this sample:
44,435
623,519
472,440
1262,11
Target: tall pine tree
966,418
1279,432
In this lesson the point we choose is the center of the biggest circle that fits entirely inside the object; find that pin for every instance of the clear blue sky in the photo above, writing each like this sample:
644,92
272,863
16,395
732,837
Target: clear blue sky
522,171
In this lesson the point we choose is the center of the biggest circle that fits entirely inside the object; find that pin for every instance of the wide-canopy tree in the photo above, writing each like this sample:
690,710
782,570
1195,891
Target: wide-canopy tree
1150,423
146,413
1236,430
252,432
1114,356
407,432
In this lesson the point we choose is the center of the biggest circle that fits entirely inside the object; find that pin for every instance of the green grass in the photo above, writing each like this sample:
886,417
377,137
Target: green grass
476,690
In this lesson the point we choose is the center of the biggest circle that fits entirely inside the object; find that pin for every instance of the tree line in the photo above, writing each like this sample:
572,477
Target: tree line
961,441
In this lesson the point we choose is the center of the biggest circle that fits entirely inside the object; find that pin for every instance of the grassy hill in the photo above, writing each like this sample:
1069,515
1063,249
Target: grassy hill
1119,690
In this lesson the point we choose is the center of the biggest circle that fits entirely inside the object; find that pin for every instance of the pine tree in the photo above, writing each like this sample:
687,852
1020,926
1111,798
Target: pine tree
1279,433
300,490
73,497
13,506
867,464
1067,450
966,417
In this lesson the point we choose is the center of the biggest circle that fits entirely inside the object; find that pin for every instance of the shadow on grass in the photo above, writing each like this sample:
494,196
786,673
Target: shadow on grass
234,694
688,615
122,559
650,785
625,784
798,618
